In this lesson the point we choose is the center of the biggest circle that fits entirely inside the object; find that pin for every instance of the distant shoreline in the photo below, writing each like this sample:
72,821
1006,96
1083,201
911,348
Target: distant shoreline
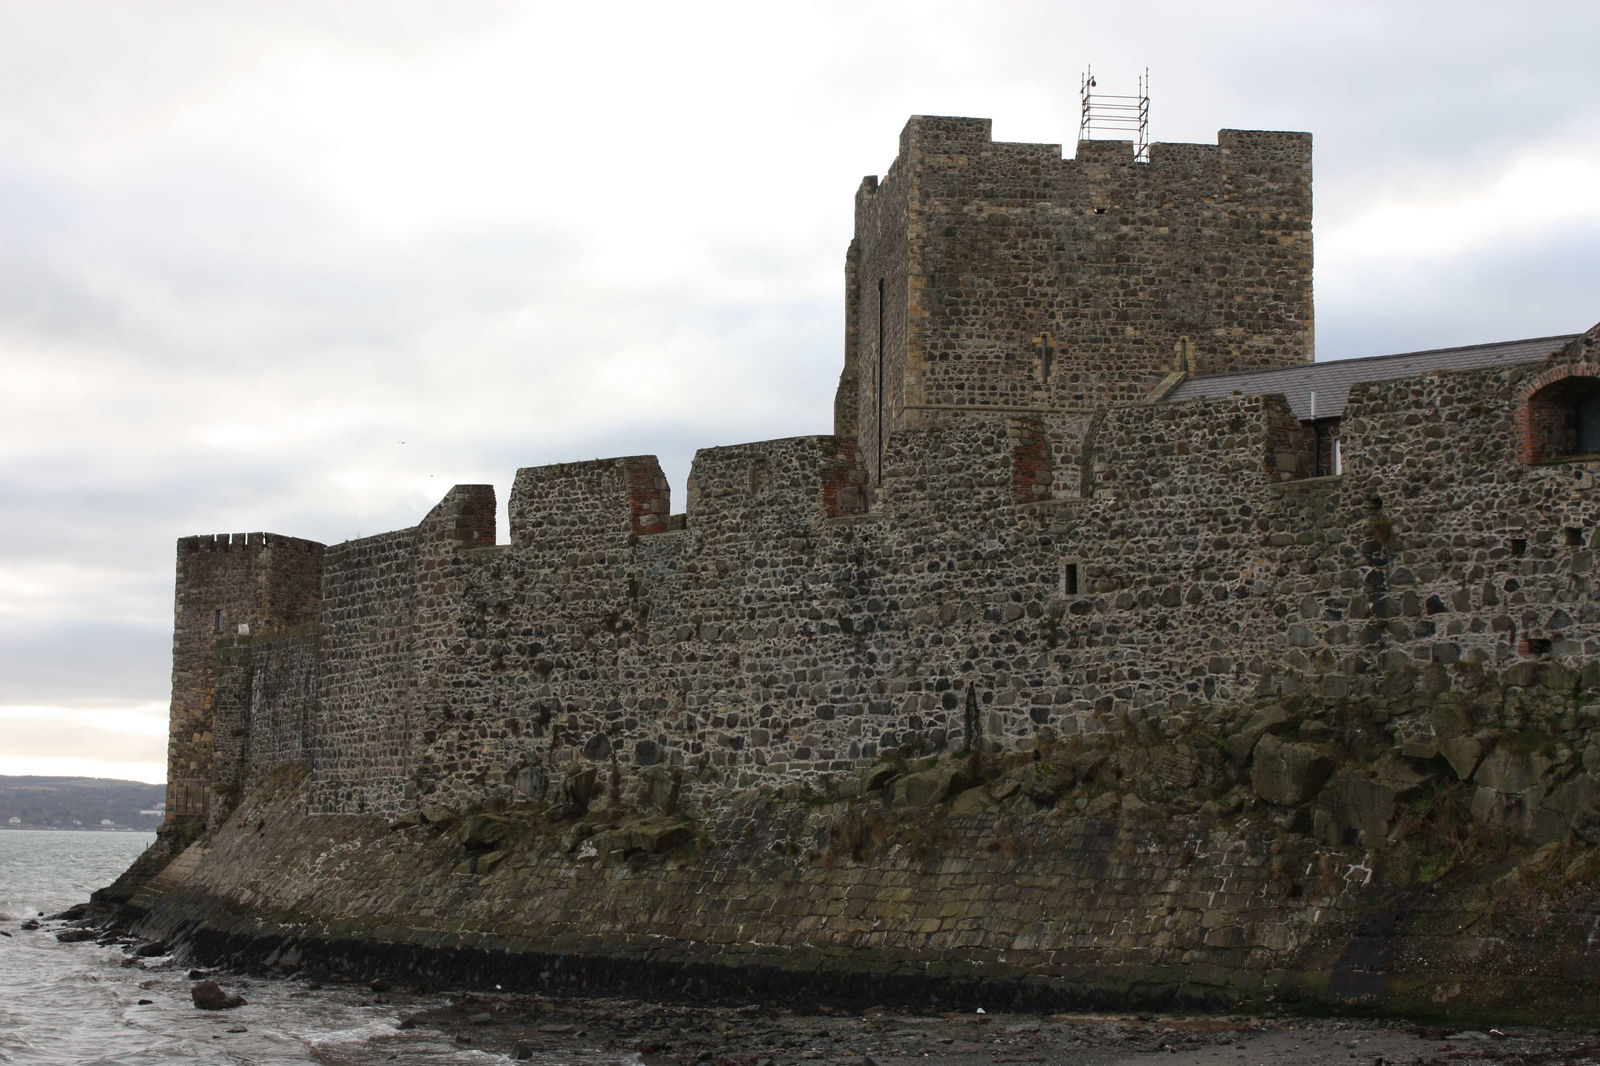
75,829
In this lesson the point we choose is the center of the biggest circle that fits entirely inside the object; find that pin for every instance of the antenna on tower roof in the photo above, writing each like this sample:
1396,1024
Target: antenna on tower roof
1117,115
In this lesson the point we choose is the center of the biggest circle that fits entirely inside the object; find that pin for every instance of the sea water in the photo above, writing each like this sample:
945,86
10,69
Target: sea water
89,1004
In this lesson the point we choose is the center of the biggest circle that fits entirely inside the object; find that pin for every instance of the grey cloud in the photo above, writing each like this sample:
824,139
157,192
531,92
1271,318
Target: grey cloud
43,292
1544,285
83,662
237,249
47,738
67,509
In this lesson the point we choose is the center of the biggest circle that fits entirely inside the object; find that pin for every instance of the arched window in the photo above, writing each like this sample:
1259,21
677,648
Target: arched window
1562,420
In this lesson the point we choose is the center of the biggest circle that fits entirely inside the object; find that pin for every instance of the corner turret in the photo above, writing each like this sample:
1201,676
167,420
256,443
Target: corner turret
229,585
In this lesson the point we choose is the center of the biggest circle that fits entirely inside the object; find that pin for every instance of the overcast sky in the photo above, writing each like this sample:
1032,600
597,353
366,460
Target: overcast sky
301,265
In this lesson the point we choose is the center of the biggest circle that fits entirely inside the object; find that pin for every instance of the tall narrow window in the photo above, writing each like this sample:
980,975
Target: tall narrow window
1325,447
1070,582
1586,424
1046,358
216,620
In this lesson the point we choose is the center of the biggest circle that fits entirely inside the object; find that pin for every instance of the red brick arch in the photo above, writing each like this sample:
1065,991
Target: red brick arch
1543,404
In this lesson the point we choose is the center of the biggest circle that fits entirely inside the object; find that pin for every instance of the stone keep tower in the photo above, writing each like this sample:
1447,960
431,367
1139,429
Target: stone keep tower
1003,278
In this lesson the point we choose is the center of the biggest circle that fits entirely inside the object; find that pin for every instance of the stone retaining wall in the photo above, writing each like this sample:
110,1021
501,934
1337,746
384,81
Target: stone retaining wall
1158,865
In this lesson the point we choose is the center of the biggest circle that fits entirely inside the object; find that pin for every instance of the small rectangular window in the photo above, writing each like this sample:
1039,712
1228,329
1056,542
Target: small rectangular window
216,620
1574,537
1070,584
1326,460
1519,547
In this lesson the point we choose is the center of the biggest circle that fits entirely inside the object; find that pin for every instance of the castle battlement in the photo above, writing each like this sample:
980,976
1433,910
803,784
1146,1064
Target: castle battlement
961,142
569,503
250,542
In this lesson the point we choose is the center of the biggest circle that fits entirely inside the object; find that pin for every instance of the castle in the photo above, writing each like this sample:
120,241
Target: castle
1008,531
1084,479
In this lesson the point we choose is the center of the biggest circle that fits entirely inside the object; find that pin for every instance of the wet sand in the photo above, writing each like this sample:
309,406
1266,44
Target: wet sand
594,1030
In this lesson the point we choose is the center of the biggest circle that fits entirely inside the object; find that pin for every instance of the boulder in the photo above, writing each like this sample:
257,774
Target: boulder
1366,800
1288,773
208,995
1569,807
878,776
655,837
1242,744
1463,754
924,789
933,786
483,831
439,815
581,786
648,836
972,801
75,936
529,781
1448,719
1509,772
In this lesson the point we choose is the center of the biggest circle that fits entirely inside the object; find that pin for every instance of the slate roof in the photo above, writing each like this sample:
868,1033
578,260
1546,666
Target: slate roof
1331,381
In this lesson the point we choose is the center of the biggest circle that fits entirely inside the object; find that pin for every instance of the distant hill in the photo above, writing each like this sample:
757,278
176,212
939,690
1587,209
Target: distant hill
78,803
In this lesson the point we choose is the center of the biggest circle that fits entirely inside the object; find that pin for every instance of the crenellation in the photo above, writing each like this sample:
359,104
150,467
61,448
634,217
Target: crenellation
465,517
944,135
564,506
246,542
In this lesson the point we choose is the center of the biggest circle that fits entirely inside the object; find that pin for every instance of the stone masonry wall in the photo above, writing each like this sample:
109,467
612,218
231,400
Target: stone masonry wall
255,580
285,701
265,709
362,736
385,599
878,330
1011,278
781,638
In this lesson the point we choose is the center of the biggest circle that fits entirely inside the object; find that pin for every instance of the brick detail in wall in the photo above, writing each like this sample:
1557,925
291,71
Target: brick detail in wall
649,497
1031,471
844,481
1542,410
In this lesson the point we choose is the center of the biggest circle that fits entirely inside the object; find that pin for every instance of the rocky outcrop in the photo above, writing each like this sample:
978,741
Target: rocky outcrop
1315,852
